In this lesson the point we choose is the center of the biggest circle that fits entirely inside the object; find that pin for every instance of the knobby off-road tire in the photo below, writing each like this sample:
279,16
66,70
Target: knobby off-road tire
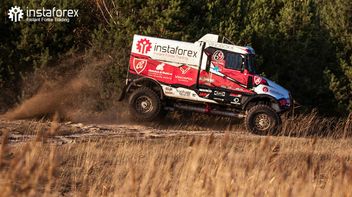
263,120
144,104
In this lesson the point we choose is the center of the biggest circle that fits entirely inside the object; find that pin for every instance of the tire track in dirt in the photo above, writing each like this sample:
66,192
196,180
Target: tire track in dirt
68,132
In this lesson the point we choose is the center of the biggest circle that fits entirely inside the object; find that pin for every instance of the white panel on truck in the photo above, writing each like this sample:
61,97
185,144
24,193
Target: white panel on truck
168,50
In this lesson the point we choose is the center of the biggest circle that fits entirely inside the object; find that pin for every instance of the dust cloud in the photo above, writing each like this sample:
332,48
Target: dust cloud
47,102
73,94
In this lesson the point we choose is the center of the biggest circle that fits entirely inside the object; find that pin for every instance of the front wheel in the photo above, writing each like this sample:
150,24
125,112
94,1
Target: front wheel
144,104
263,120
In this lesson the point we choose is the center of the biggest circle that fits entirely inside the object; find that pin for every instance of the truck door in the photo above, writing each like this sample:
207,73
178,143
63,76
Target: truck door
226,72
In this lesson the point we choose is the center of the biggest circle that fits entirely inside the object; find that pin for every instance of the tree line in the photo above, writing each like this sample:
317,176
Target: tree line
305,45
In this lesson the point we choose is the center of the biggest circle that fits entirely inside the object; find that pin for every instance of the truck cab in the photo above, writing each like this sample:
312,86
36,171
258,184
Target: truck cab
232,76
207,76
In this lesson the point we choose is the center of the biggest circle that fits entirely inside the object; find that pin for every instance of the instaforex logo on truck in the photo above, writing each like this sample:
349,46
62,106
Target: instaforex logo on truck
167,50
175,51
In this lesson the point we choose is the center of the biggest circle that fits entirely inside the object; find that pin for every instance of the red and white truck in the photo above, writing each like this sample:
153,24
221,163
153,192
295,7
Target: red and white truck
207,76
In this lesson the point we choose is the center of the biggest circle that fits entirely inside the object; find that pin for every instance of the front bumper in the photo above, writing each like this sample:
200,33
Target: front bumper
286,104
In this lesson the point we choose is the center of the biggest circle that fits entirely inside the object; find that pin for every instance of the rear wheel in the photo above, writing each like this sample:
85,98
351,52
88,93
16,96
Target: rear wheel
144,104
263,120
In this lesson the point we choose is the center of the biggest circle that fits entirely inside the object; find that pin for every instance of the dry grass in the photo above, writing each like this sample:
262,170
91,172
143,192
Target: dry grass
302,125
311,124
230,165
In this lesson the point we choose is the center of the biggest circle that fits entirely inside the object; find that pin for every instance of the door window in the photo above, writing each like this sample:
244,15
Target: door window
234,61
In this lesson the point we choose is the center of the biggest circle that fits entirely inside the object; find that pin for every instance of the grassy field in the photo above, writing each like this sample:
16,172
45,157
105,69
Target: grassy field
230,164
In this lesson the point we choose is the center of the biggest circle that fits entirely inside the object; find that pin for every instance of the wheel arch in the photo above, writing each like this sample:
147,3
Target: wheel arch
259,99
146,82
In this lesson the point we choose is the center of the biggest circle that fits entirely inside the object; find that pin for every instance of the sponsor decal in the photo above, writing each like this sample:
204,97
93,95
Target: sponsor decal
204,94
219,99
235,95
160,66
184,93
144,45
216,69
139,65
257,80
170,51
184,70
206,79
265,89
219,93
182,78
236,101
16,14
159,72
218,55
175,50
206,90
168,90
217,59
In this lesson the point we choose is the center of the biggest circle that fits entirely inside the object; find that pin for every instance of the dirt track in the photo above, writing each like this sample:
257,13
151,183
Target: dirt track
68,132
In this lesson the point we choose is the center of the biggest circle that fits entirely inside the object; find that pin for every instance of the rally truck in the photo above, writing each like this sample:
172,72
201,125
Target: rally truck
208,76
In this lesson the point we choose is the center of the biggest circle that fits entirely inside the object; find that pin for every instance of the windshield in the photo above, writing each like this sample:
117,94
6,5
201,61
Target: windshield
250,63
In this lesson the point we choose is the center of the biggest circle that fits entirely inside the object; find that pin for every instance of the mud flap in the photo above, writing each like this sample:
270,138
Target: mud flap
122,93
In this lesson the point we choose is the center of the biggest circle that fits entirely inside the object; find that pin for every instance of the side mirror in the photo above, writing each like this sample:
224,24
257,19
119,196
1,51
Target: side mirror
243,67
